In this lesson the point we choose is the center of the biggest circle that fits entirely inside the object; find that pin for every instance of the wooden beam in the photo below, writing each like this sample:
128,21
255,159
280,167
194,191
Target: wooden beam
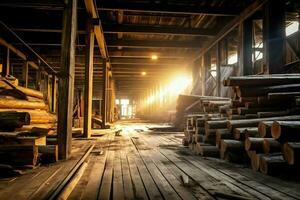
5,61
88,92
54,94
245,47
249,11
155,44
25,73
169,30
167,9
218,68
66,80
17,52
274,36
206,65
104,93
93,14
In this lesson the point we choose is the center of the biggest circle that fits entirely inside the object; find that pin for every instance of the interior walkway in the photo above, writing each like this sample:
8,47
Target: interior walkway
145,164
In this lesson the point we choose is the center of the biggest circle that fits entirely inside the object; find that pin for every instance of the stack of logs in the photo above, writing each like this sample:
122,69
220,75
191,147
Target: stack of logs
259,126
25,124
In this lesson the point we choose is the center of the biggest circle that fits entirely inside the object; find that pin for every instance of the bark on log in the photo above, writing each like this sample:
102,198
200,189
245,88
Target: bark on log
244,111
261,81
254,144
22,104
232,146
19,155
10,120
283,95
222,134
272,164
272,114
36,116
208,151
48,153
285,131
231,124
263,91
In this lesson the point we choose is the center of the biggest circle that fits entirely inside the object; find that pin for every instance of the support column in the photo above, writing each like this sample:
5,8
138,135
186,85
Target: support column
274,36
245,48
54,93
104,93
206,63
66,80
88,92
218,68
5,64
25,73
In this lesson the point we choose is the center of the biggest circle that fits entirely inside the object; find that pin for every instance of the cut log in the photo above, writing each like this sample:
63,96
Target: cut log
22,104
231,124
36,116
254,144
261,81
27,91
19,155
211,139
9,121
228,145
208,151
222,134
271,146
273,164
283,95
255,158
215,124
244,110
291,152
37,128
48,153
243,133
23,140
285,131
272,114
263,91
239,133
264,129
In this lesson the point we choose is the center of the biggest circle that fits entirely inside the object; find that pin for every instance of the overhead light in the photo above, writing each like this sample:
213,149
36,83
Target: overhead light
154,57
143,73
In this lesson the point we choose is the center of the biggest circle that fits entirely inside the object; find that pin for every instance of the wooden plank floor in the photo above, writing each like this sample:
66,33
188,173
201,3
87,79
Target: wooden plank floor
143,164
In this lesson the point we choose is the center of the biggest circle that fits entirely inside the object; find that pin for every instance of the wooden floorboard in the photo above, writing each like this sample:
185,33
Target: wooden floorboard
143,164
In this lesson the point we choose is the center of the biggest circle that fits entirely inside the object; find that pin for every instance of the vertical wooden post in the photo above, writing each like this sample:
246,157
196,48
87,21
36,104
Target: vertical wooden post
104,93
5,65
66,80
88,91
206,64
54,93
25,73
218,68
274,36
38,80
245,48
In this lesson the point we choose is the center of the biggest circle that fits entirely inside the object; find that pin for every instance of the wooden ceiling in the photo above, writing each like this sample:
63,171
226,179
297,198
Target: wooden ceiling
134,30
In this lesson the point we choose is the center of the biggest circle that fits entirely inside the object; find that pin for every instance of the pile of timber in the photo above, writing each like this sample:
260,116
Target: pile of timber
196,138
25,124
260,126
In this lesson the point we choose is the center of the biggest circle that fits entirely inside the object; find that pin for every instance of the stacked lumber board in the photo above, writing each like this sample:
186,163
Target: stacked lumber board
260,126
25,124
